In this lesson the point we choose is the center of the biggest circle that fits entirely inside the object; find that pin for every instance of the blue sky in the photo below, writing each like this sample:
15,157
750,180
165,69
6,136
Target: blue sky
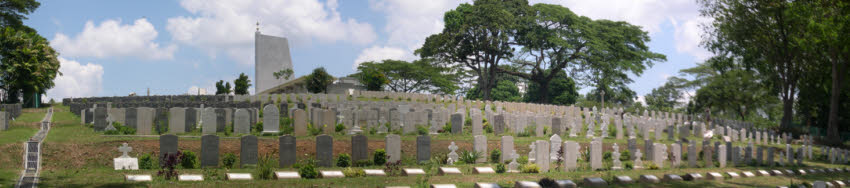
113,48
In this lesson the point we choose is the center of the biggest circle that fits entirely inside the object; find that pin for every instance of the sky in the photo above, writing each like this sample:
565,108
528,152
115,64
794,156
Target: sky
114,48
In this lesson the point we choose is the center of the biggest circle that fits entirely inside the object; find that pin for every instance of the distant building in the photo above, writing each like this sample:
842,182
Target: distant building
271,54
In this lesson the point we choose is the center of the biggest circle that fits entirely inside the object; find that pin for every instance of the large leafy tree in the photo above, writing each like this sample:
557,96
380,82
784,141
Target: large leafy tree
560,91
28,67
373,79
418,76
553,39
13,12
664,98
477,37
765,36
222,87
319,80
241,84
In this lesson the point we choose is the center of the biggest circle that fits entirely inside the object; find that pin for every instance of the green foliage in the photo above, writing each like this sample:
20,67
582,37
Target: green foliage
229,160
314,131
189,160
222,87
318,81
120,130
241,84
379,157
487,127
663,98
522,159
343,160
505,90
626,155
362,163
419,76
27,61
283,73
211,174
500,168
339,127
146,162
495,156
307,169
258,128
353,172
561,90
530,168
469,157
421,130
265,168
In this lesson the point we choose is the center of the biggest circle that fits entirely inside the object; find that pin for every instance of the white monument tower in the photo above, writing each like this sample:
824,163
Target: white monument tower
271,54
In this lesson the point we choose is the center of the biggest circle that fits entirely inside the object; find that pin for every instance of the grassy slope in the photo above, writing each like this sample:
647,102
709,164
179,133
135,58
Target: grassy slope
11,144
95,171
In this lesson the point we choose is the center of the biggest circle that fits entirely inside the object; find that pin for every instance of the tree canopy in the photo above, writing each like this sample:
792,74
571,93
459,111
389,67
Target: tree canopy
28,65
419,76
241,84
319,80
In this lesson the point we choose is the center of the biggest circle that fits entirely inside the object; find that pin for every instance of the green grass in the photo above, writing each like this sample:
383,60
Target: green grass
17,134
8,177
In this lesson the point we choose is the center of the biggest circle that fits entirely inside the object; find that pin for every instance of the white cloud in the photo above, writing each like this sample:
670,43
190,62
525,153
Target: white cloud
113,39
77,80
224,25
408,23
649,14
376,53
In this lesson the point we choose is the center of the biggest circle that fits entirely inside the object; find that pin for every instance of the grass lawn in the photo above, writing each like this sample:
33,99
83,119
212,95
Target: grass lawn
11,144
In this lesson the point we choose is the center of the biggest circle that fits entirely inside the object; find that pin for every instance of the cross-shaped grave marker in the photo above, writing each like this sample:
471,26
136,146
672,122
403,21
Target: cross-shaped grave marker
125,149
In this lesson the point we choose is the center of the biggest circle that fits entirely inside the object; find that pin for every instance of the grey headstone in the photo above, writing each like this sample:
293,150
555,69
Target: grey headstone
144,123
177,120
423,148
271,119
457,123
300,119
130,117
594,182
191,119
208,121
287,150
648,178
220,120
359,148
248,150
324,150
499,124
393,148
242,122
167,144
507,148
480,146
692,154
209,150
100,119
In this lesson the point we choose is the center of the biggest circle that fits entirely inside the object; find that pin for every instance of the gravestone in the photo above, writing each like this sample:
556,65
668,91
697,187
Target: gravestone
677,155
499,125
659,154
191,119
220,120
125,162
248,151
596,154
770,153
760,156
477,127
571,152
167,144
100,122
692,154
208,121
324,150
130,119
557,128
359,148
209,150
160,120
271,119
287,151
329,121
300,118
542,159
632,147
144,121
452,157
457,123
423,148
707,155
480,146
721,156
241,123
507,148
177,120
617,164
393,148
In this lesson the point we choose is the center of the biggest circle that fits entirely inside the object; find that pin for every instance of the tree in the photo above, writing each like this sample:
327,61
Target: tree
664,98
241,84
505,90
372,78
477,37
764,35
415,77
561,91
28,67
554,38
284,73
222,87
318,81
13,12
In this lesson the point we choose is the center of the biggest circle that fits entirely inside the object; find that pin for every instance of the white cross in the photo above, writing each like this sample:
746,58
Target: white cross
124,148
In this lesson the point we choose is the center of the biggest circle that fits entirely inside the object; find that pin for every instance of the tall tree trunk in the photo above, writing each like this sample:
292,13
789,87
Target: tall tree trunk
544,91
832,132
787,111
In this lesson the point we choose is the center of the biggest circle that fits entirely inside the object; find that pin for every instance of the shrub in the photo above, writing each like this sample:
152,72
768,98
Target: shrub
625,155
488,128
379,157
530,168
189,160
500,168
546,182
314,131
522,159
120,130
146,162
651,166
422,130
307,169
447,128
353,172
264,168
606,156
495,155
393,168
211,174
339,127
169,164
344,160
228,161
362,163
469,157
258,128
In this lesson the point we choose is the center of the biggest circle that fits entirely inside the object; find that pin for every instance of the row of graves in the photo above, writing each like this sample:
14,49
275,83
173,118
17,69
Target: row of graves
356,112
8,112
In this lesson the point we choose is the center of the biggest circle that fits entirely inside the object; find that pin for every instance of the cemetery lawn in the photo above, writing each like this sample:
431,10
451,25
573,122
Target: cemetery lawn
76,156
11,144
